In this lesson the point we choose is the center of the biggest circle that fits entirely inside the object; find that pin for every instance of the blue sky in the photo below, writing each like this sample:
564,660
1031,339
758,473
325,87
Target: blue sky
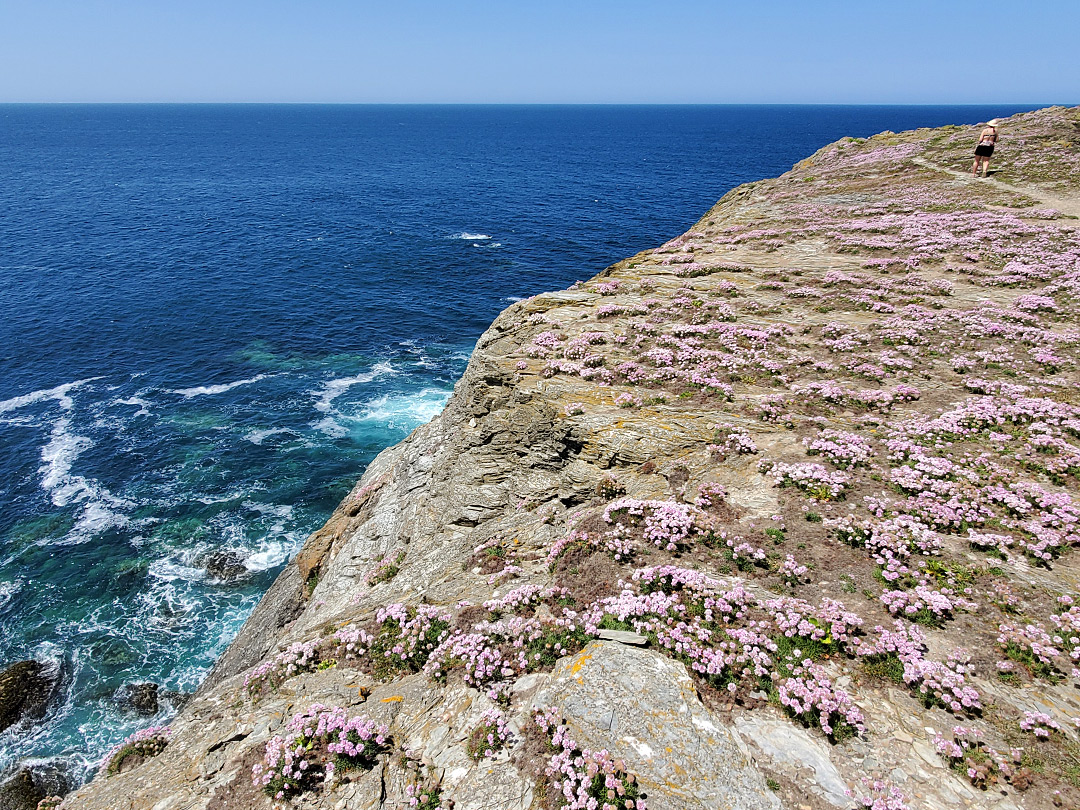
544,51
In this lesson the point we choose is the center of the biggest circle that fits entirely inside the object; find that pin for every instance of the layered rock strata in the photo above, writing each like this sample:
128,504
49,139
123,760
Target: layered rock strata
781,511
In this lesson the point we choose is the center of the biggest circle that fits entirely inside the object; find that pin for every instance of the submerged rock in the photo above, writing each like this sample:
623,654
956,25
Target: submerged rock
26,688
142,698
225,566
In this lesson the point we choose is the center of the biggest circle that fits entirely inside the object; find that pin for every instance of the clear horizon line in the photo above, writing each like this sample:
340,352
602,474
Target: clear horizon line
548,103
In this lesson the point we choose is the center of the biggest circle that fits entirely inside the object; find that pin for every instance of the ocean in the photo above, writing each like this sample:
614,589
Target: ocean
213,317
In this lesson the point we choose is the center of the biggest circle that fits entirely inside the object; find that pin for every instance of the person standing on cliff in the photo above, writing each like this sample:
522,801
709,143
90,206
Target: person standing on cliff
985,148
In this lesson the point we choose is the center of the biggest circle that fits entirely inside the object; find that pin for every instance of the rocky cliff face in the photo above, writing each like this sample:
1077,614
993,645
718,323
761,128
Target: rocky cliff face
784,509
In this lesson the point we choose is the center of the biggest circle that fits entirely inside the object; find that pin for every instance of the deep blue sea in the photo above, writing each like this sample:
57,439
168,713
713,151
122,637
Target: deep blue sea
213,317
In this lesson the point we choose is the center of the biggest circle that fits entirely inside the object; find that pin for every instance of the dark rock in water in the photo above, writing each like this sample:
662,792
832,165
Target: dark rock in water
225,566
25,691
130,571
178,700
32,783
142,698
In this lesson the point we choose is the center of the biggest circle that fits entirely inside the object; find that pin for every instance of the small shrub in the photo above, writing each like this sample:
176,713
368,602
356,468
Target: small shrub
149,742
490,737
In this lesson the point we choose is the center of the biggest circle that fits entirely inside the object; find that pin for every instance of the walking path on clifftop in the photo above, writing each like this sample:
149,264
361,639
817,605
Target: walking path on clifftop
821,453
1070,207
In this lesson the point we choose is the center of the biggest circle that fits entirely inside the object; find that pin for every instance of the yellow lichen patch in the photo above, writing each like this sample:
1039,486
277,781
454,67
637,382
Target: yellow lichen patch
579,662
393,699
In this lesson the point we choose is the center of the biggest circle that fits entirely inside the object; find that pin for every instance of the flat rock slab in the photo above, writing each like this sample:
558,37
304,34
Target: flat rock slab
643,708
787,744
623,637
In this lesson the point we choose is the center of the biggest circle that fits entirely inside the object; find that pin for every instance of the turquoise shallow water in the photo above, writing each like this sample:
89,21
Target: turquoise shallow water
212,318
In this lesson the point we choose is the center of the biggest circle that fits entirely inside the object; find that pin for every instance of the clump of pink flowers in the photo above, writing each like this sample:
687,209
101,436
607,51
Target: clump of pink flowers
491,735
845,450
305,756
810,696
881,795
301,656
1040,724
665,524
966,752
523,598
585,779
813,479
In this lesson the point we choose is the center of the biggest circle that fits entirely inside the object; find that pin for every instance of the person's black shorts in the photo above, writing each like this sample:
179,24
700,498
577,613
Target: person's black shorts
984,150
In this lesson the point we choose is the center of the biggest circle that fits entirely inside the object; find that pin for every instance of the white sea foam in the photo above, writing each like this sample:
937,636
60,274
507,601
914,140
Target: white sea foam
332,389
471,237
232,495
169,570
260,436
406,410
206,390
135,402
101,509
59,393
279,510
8,589
270,556
56,459
331,427
513,299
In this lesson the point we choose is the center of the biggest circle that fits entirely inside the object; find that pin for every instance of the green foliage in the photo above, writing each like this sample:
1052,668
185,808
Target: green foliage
886,666
144,748
953,573
1024,655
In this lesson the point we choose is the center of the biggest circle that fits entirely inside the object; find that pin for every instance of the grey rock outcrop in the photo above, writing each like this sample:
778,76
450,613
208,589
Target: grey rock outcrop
644,709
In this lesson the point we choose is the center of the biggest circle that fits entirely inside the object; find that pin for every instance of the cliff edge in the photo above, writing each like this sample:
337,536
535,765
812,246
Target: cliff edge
781,514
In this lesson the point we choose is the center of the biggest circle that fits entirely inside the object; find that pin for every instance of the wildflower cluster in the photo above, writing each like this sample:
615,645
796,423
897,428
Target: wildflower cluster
385,569
504,649
940,684
300,656
1040,724
810,696
845,450
731,441
490,736
399,641
316,742
791,571
666,524
525,597
813,479
585,779
881,795
1033,647
967,753
406,637
925,605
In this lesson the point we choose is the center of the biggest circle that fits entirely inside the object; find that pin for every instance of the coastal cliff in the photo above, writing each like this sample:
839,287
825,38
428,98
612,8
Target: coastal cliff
781,514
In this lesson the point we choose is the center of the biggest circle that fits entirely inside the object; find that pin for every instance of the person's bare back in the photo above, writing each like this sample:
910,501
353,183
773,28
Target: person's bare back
985,148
